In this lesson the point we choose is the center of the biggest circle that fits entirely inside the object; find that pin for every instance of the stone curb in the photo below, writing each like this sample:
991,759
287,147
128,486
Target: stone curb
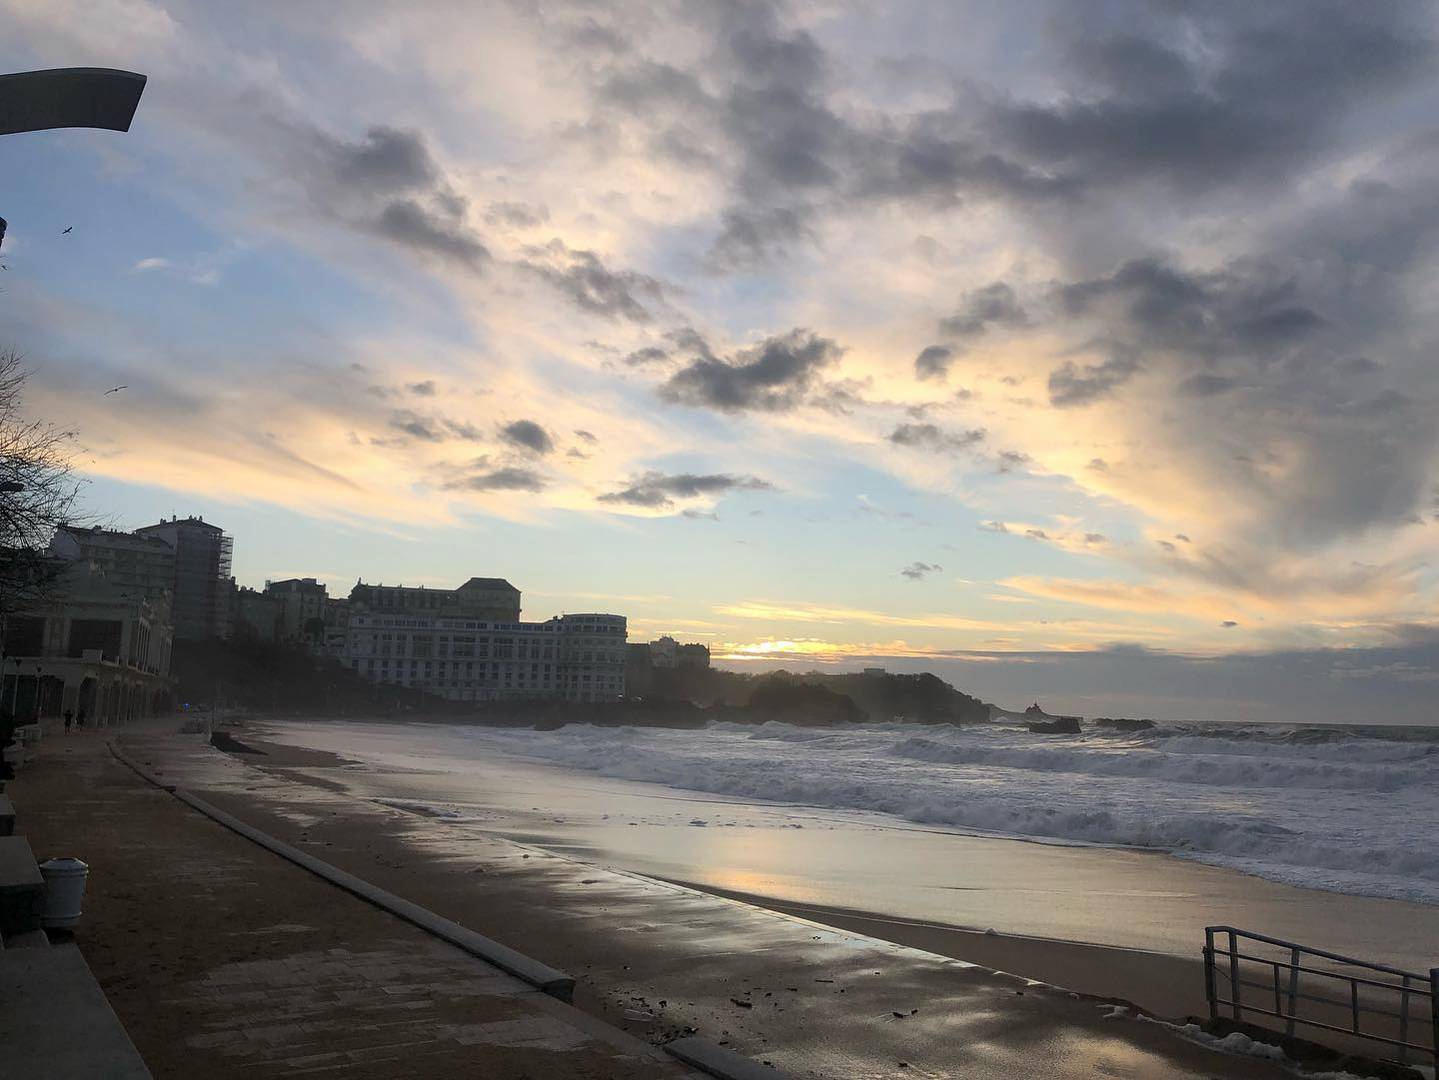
717,1061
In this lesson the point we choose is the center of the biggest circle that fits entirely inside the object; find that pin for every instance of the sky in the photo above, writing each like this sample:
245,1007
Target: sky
1082,352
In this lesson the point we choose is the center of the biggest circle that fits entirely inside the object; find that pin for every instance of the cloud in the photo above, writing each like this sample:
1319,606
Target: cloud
1214,97
386,183
792,612
527,435
422,389
507,478
917,571
1229,624
433,428
749,237
933,361
650,354
774,376
516,215
1070,385
152,263
994,305
587,436
933,438
593,287
656,490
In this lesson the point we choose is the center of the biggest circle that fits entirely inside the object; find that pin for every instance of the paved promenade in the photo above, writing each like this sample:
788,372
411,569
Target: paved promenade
223,960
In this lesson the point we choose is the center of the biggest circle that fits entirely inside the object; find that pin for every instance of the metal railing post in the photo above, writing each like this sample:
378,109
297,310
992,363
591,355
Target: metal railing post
1234,974
1209,990
1293,989
1434,1011
1404,1023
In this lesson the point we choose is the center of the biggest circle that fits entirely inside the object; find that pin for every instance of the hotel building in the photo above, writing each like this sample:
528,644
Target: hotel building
468,644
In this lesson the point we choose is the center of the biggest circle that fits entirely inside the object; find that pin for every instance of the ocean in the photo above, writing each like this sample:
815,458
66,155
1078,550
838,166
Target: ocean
1346,809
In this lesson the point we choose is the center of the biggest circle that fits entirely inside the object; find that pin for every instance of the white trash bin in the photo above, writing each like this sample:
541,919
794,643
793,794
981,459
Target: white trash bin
64,891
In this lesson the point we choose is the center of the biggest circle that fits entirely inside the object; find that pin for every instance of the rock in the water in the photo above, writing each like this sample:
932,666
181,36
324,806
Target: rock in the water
1063,725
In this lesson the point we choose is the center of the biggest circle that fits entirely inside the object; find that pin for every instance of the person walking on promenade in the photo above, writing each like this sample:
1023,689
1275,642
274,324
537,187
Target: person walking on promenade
80,720
69,719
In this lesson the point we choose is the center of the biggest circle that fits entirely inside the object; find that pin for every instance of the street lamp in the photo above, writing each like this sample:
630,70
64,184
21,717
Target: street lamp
69,97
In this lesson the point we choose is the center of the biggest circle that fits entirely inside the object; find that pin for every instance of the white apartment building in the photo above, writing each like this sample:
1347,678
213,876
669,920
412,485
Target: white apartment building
428,641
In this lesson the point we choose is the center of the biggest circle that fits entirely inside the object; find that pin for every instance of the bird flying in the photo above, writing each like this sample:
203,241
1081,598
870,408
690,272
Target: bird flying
116,389
66,229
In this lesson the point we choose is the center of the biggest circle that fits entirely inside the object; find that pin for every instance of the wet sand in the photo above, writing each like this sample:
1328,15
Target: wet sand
827,860
1168,986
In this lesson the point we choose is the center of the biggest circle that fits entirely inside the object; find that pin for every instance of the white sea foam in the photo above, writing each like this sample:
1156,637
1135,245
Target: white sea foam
1351,812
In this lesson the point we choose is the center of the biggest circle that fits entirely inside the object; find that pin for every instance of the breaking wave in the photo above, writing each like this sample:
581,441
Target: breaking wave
1352,810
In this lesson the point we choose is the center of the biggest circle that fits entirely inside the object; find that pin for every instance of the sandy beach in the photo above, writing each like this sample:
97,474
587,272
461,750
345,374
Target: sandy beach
820,858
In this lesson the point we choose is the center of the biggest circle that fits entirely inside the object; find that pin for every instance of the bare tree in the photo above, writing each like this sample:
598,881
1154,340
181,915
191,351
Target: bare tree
39,491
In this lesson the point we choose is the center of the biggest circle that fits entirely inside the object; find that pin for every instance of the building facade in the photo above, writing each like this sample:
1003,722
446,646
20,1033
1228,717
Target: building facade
255,615
93,646
449,643
694,656
201,586
337,625
301,603
129,560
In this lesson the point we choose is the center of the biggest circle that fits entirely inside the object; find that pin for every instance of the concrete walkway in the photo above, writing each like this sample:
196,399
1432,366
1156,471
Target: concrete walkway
660,959
223,960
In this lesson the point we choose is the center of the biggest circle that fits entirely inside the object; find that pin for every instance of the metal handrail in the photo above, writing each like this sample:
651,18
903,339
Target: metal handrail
1289,1012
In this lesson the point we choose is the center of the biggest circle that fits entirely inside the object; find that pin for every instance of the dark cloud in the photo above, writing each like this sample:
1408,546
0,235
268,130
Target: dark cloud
387,184
656,490
1072,385
993,305
764,119
1206,385
778,374
994,526
1211,96
422,389
433,428
1009,460
934,438
699,515
527,435
749,237
587,436
435,232
933,361
650,354
1036,534
508,478
1229,624
592,286
916,571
